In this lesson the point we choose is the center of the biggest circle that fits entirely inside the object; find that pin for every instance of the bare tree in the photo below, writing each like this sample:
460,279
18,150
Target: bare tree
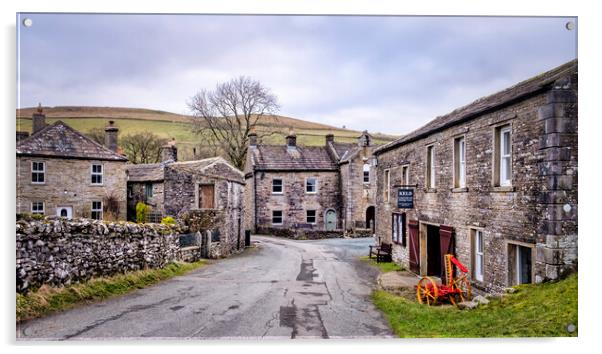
143,147
227,114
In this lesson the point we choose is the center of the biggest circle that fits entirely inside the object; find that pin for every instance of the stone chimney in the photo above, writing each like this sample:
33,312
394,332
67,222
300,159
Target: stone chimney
111,132
39,120
169,152
291,140
329,138
364,139
22,135
252,138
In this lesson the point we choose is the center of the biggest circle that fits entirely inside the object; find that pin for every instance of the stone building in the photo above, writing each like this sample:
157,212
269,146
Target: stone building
312,191
494,182
210,187
62,172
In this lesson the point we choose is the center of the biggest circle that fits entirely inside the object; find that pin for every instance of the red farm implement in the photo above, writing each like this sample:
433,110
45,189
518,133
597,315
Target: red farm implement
456,289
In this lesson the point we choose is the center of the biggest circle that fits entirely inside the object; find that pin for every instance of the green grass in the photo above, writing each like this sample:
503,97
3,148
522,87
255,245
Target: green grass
542,310
383,267
47,299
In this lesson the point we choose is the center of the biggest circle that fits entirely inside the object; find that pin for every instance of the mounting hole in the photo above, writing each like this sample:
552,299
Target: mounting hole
570,25
27,22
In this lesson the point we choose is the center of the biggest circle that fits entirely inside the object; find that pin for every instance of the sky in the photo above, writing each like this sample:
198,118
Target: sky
389,74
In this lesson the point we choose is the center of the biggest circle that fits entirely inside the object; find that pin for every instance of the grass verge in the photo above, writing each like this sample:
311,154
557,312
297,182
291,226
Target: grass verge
542,310
47,299
383,267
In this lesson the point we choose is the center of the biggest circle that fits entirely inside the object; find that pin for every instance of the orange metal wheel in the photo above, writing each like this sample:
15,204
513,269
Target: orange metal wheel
465,291
427,291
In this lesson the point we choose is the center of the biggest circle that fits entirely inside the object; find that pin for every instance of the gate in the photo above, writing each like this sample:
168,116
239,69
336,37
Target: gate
414,246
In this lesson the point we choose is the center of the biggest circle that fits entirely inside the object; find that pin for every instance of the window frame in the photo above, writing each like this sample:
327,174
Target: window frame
366,173
38,172
505,180
388,185
315,185
478,272
281,217
99,211
405,174
399,235
460,162
315,216
430,167
97,174
148,186
38,212
281,185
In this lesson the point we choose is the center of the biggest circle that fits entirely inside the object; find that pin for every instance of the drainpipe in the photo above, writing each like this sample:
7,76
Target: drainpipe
255,199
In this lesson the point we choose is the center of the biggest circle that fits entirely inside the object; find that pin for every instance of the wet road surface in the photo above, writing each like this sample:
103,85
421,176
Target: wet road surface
281,289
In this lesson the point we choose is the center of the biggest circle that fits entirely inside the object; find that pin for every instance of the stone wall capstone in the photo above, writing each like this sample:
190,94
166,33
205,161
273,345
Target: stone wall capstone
58,251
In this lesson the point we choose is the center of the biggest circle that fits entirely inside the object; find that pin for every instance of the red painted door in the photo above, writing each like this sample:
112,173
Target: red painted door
447,247
414,246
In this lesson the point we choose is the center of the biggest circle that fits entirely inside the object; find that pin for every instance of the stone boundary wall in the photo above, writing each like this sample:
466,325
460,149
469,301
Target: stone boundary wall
309,234
57,251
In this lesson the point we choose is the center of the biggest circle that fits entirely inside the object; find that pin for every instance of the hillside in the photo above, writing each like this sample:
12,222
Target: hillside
178,126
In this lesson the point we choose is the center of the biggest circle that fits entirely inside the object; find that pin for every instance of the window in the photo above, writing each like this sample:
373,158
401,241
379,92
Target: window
148,190
311,185
459,163
405,175
276,217
96,210
310,216
366,173
96,174
503,156
37,208
277,186
399,229
387,184
478,255
520,264
38,171
430,167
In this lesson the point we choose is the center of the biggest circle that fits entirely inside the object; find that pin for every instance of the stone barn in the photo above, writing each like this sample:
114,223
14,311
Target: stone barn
493,182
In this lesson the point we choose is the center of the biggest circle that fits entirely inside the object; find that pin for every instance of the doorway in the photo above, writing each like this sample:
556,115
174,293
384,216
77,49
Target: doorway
433,251
520,259
330,220
65,212
370,218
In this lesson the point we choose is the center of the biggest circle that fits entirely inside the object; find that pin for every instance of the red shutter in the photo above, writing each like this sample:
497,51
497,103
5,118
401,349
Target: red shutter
414,246
447,246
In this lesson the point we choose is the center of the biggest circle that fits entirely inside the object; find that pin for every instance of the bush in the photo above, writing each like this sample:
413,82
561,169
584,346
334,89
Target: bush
141,211
111,207
168,220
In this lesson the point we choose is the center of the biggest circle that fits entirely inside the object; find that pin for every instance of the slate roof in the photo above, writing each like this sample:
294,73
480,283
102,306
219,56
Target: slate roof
60,140
486,104
152,172
283,158
205,165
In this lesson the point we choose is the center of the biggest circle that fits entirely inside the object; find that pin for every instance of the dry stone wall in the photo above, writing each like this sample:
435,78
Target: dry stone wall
59,252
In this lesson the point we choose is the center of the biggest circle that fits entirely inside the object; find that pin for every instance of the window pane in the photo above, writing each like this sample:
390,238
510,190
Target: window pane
506,143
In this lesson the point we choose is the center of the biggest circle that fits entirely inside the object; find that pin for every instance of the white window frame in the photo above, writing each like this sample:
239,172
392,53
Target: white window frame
92,210
365,169
281,217
505,158
42,171
315,216
479,255
405,174
460,162
315,185
42,212
430,156
388,184
281,185
101,174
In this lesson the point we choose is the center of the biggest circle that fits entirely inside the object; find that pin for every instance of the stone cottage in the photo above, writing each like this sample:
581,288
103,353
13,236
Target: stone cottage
494,182
314,191
62,172
210,189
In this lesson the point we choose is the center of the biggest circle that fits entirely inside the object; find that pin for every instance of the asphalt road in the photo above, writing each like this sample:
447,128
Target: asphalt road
281,289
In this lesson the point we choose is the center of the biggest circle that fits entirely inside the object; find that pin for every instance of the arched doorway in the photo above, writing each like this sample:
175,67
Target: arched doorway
370,221
330,219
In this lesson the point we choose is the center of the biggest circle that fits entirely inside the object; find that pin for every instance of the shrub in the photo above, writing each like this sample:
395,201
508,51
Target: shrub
168,220
110,206
141,211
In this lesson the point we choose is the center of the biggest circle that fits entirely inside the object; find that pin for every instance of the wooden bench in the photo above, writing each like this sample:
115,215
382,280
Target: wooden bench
384,253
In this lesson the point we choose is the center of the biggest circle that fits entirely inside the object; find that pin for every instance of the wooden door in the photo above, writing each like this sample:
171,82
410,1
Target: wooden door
206,196
414,246
447,247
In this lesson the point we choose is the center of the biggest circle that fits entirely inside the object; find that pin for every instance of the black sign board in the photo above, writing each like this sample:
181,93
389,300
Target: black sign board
405,198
